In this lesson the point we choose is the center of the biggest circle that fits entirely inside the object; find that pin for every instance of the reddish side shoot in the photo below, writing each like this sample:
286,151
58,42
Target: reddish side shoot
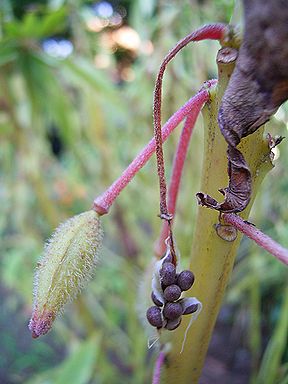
103,202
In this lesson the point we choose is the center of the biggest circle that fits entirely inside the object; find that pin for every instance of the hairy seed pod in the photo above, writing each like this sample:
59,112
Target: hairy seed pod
172,292
185,280
168,274
154,316
155,300
173,324
67,263
172,310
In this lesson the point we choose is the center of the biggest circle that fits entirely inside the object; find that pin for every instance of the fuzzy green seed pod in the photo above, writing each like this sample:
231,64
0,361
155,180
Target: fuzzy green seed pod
69,257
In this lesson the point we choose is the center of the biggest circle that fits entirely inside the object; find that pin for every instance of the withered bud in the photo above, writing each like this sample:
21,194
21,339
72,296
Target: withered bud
68,262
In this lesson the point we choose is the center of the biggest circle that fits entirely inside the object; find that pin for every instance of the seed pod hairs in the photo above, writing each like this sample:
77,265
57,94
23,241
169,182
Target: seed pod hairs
67,264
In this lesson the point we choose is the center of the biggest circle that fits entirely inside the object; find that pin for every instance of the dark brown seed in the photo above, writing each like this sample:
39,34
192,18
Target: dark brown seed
185,280
172,292
168,274
154,317
155,300
173,324
172,310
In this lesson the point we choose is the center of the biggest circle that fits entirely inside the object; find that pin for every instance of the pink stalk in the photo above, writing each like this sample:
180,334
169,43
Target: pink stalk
157,370
103,202
259,237
212,32
177,170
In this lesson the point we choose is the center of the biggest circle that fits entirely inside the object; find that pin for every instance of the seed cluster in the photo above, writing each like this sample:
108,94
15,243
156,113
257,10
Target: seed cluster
168,314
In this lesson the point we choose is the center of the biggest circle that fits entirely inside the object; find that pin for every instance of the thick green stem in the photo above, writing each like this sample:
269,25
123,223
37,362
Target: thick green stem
212,257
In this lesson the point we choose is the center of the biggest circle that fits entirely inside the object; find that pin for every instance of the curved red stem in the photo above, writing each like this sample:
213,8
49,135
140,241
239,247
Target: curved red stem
212,32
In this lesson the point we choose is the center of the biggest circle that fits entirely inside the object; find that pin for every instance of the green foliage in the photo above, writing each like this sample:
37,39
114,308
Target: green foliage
274,351
78,368
34,26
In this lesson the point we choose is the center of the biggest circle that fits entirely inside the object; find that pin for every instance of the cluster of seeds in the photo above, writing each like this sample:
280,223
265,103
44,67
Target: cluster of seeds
168,314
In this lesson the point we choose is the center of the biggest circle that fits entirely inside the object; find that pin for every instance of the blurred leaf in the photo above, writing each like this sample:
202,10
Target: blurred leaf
147,7
271,361
8,53
78,368
85,71
46,93
17,269
53,22
285,379
34,26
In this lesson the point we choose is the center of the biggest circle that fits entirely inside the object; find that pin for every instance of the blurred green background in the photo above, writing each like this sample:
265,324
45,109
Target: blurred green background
76,89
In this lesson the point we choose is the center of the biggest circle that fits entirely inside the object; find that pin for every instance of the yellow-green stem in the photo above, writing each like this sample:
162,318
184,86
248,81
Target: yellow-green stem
212,257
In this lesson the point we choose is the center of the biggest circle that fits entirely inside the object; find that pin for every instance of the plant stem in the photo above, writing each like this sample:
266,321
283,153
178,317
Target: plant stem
177,170
259,237
212,257
157,370
104,201
215,32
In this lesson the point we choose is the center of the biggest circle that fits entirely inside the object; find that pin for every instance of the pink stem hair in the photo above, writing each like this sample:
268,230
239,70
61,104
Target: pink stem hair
259,237
212,32
103,202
